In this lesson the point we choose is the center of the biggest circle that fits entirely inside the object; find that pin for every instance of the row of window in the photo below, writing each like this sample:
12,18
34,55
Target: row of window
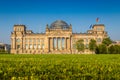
34,40
32,46
30,40
99,29
19,29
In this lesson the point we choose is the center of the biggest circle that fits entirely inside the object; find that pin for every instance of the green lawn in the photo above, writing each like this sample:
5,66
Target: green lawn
60,66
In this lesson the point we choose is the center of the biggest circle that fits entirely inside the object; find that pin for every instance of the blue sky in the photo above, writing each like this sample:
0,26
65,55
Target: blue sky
35,14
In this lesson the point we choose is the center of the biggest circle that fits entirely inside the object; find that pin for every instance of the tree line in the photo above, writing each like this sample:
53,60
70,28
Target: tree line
106,47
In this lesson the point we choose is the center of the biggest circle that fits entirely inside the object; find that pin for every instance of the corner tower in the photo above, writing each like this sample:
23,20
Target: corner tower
99,32
17,38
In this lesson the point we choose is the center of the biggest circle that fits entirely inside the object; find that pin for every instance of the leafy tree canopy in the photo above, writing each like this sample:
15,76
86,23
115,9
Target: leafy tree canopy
101,49
107,41
92,45
80,45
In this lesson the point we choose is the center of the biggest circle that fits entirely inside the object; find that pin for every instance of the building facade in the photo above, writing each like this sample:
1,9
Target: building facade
58,39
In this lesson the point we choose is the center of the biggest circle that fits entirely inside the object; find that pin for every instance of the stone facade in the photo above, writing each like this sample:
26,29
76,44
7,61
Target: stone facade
58,39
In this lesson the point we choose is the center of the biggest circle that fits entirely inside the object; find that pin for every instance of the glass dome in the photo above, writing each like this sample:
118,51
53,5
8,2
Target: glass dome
59,24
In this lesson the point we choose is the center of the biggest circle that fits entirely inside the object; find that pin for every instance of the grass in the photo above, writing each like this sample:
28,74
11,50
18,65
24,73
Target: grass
59,66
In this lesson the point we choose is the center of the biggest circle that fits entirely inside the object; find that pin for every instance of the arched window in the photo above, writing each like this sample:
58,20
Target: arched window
18,40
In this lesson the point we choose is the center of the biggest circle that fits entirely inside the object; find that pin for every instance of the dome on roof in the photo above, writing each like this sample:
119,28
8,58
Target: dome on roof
59,24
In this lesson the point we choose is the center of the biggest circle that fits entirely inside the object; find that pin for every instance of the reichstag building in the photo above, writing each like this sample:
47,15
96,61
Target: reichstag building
58,39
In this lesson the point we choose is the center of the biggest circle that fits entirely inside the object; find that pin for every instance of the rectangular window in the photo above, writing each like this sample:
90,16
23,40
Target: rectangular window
39,46
30,46
42,46
99,29
26,46
87,46
86,40
18,46
35,46
38,40
34,40
30,40
26,40
42,41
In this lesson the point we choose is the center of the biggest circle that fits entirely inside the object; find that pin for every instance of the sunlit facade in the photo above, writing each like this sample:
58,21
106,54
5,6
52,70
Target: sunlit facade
58,39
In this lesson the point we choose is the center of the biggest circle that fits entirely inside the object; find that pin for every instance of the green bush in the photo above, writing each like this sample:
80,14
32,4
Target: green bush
114,49
62,66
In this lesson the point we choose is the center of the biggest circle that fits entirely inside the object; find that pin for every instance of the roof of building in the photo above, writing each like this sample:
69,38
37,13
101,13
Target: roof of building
59,24
16,25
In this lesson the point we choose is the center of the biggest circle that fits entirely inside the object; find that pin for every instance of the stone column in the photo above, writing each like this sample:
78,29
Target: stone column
21,45
70,43
46,44
14,41
11,43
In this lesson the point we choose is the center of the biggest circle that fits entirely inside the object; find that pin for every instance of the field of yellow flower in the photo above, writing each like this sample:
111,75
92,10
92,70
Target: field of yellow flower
59,66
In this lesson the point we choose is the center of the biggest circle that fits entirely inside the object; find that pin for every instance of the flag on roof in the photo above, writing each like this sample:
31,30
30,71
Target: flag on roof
90,26
97,19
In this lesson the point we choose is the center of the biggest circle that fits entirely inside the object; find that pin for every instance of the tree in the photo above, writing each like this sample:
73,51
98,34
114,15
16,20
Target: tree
101,49
111,49
114,49
97,51
80,45
107,41
92,45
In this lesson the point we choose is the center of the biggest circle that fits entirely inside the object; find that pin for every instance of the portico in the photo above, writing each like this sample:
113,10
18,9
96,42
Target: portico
59,43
